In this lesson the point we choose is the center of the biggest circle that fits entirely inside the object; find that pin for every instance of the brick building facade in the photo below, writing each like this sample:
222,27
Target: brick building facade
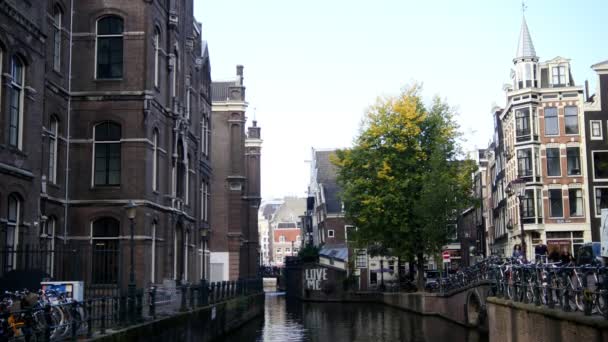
234,241
122,116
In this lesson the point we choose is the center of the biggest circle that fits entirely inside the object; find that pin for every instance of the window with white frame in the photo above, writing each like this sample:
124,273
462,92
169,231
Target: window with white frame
155,160
16,87
156,56
553,162
559,75
571,119
279,251
600,164
574,161
556,206
551,121
57,17
107,154
331,233
601,200
575,199
361,260
282,238
110,47
53,132
595,128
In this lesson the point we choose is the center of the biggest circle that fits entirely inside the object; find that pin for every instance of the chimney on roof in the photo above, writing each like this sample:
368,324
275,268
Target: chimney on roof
239,74
587,91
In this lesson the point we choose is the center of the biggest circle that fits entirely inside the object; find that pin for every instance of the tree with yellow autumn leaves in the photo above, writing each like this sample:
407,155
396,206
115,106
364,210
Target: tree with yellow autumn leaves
405,179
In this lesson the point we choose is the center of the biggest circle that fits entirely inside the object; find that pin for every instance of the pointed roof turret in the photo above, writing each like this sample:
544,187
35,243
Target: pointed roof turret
525,47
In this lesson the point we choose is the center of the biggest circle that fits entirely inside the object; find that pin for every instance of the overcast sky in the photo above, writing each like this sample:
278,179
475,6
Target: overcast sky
313,67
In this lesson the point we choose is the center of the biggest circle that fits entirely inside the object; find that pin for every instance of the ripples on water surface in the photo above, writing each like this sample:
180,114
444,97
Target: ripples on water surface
346,322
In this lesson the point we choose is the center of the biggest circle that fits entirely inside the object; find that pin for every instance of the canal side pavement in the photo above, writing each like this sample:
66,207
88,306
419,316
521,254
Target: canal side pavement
201,325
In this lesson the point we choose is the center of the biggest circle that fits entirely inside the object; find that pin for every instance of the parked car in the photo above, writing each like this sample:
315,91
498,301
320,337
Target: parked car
590,253
431,279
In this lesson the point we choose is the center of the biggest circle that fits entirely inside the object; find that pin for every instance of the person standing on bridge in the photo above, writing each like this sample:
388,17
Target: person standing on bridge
517,254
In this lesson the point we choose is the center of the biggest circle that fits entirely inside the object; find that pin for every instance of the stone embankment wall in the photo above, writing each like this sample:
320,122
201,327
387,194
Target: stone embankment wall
200,325
517,322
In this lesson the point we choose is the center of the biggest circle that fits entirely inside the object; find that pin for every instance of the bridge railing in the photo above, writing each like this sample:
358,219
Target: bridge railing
566,287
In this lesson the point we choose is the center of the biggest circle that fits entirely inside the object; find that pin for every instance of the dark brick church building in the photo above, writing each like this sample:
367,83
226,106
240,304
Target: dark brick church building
123,116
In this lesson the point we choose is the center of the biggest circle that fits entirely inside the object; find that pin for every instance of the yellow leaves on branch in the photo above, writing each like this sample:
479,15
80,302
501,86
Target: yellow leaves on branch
384,172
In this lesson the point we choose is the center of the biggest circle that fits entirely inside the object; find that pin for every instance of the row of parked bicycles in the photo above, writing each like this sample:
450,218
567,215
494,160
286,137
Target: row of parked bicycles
43,315
583,288
566,286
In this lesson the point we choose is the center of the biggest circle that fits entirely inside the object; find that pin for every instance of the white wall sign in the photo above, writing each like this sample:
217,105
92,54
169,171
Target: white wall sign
314,277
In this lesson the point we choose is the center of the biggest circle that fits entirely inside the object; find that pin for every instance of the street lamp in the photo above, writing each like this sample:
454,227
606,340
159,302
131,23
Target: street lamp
131,210
517,187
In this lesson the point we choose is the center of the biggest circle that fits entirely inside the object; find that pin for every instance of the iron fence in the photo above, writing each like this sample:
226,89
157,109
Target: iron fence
566,287
72,320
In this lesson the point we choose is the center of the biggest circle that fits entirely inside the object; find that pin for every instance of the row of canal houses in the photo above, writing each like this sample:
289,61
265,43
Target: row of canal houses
552,135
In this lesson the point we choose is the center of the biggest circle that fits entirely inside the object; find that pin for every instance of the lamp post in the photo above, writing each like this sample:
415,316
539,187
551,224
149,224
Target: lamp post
518,188
131,209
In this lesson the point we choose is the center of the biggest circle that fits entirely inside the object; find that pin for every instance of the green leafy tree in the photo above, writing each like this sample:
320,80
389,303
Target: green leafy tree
405,178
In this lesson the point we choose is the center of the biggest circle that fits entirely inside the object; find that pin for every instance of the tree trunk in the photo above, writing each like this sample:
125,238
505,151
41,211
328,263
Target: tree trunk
420,272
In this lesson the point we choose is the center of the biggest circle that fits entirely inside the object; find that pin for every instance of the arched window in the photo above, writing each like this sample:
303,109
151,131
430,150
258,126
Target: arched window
156,56
155,160
15,131
105,236
47,243
53,131
57,17
107,154
109,47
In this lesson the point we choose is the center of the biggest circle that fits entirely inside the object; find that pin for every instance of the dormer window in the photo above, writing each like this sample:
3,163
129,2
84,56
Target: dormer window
559,75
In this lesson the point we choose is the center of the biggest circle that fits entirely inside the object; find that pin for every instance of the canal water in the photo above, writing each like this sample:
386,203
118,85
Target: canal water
286,321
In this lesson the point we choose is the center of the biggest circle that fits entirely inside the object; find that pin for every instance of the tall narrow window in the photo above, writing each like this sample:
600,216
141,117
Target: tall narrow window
174,75
156,56
187,191
47,243
110,47
53,130
203,201
574,161
522,122
556,208
15,132
155,161
596,130
575,198
105,237
57,16
528,204
207,201
153,261
559,75
107,154
571,119
180,170
207,135
524,161
553,162
601,200
12,231
551,121
188,102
